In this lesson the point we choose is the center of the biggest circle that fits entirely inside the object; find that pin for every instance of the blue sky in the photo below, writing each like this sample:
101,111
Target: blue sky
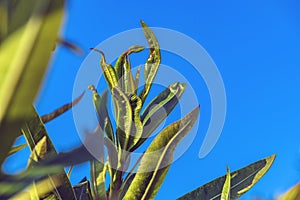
255,45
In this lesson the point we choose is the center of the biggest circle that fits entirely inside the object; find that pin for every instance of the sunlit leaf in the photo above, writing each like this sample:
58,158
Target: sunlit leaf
226,187
153,61
59,111
24,55
35,133
241,181
123,117
108,70
98,173
158,109
16,149
158,157
100,104
291,194
123,70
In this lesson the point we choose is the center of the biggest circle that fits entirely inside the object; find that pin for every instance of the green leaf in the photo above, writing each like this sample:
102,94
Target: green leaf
35,133
153,61
226,187
158,157
25,51
123,70
108,70
291,194
123,117
241,181
98,172
158,109
10,185
100,104
61,110
137,79
16,149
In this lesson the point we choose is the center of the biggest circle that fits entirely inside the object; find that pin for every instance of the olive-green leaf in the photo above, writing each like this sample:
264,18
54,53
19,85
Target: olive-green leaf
24,56
10,185
158,109
123,117
226,187
98,172
100,104
291,194
241,181
16,149
123,70
108,70
35,132
153,61
158,157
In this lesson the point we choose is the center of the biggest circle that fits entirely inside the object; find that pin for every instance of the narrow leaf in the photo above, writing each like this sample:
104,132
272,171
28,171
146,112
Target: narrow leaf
226,187
158,157
124,117
108,70
158,109
153,61
16,149
100,104
35,132
291,194
59,111
123,70
24,56
241,181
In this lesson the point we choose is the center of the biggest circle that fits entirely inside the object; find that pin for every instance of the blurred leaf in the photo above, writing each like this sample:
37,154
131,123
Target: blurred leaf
44,187
10,185
292,194
82,190
241,181
158,157
108,70
39,151
226,187
123,117
153,61
123,70
24,55
70,172
75,48
16,149
35,132
158,109
56,113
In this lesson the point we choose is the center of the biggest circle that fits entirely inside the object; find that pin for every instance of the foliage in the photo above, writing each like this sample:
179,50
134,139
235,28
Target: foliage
27,38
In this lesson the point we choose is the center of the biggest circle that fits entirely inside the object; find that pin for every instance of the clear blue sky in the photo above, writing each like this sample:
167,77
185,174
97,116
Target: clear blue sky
256,46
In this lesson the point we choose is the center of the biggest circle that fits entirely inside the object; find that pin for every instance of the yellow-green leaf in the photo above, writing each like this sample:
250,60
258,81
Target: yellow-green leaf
291,194
25,51
157,159
158,109
153,61
226,187
241,181
109,72
17,148
124,117
37,137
